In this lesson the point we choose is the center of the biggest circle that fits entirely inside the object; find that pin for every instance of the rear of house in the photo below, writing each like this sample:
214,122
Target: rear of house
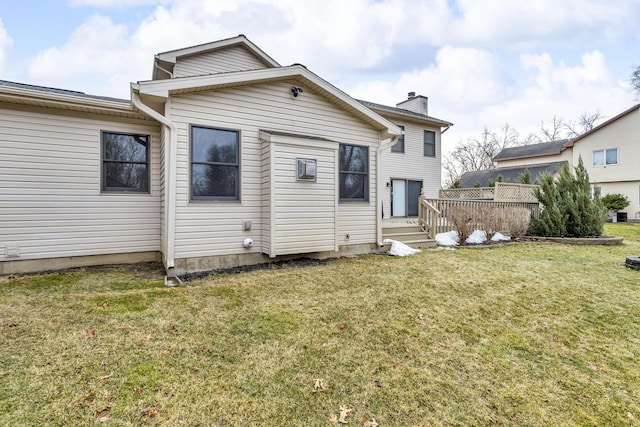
224,158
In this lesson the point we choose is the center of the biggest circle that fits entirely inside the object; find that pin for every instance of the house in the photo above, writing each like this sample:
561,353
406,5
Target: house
511,174
610,154
223,158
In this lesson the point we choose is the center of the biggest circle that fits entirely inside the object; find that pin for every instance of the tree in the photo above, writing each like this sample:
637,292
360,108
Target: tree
476,154
568,208
614,203
635,80
525,176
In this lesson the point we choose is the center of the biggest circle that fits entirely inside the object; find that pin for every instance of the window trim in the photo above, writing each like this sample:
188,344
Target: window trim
103,172
235,198
365,173
604,158
400,142
424,144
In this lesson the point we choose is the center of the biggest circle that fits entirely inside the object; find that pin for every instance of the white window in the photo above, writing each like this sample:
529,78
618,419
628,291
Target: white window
605,157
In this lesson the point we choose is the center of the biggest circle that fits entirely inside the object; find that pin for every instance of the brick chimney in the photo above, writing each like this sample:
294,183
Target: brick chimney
418,104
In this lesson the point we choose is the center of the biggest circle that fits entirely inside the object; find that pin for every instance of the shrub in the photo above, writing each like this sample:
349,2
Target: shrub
517,221
615,202
463,220
491,220
568,208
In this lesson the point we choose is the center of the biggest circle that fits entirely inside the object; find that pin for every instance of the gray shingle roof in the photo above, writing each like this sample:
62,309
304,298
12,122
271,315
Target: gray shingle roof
533,150
45,89
403,111
510,174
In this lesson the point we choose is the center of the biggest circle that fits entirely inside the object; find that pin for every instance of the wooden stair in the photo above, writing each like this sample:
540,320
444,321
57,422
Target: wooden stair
409,234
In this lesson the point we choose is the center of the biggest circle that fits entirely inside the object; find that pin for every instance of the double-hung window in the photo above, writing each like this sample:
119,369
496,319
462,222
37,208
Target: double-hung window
215,164
605,157
354,173
398,147
125,162
429,143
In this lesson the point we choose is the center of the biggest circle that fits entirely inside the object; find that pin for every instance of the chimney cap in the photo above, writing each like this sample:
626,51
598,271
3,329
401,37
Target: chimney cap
411,95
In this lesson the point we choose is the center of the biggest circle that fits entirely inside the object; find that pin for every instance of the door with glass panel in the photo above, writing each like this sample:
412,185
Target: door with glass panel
404,197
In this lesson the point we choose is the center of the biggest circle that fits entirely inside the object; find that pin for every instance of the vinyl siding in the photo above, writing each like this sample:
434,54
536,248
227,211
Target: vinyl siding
412,164
623,134
51,203
564,156
215,228
265,197
305,212
234,58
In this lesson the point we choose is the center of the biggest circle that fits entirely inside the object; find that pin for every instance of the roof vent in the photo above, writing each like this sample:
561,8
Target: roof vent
411,95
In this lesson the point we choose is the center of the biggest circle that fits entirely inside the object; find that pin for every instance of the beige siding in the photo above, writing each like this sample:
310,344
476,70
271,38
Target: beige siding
305,212
623,134
564,156
215,228
234,58
412,164
50,199
265,197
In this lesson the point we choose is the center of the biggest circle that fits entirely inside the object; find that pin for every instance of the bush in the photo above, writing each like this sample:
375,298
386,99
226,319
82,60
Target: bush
517,221
463,220
568,208
615,202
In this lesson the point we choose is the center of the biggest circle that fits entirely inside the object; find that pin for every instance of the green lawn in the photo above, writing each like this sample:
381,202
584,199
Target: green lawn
522,334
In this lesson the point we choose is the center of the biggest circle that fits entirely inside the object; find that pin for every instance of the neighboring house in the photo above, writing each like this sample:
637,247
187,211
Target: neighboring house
509,174
610,153
524,155
224,158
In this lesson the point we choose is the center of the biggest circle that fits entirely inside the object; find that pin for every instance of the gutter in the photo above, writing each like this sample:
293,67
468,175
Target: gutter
379,190
171,150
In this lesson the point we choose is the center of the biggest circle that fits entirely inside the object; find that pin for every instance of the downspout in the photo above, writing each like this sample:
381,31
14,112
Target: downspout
170,170
379,189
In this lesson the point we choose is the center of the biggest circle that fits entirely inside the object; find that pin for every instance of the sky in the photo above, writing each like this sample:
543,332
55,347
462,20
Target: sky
481,63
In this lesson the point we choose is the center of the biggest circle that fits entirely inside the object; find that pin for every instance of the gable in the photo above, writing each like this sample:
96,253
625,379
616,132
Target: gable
232,54
231,58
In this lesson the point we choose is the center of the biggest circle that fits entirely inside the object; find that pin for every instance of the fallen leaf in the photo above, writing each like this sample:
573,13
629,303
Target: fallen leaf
89,399
370,423
103,415
377,384
90,333
333,418
148,337
164,352
106,377
344,413
174,329
150,411
318,385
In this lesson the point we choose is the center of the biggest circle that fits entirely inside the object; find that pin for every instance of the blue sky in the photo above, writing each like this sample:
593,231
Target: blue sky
481,63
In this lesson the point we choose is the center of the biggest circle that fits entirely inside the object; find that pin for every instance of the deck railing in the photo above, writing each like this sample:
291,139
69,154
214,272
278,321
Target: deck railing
501,192
432,213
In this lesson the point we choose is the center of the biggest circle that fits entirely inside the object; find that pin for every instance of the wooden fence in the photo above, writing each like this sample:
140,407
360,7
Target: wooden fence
432,213
502,192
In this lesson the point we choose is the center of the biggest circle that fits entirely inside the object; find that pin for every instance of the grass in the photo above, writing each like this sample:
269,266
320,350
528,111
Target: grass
523,334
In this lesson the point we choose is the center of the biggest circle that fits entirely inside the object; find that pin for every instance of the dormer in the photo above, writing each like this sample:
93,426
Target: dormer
228,55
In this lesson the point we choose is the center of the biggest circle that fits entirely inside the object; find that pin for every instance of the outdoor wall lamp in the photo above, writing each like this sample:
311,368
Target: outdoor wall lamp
295,90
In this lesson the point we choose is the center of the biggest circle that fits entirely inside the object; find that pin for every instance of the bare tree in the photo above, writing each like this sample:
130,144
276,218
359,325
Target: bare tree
582,124
635,80
476,154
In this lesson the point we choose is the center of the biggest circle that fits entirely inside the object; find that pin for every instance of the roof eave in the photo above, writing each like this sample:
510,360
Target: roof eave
571,142
69,102
165,88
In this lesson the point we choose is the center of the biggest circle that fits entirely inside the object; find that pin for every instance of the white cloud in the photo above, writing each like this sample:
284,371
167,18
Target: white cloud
5,45
97,52
112,3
